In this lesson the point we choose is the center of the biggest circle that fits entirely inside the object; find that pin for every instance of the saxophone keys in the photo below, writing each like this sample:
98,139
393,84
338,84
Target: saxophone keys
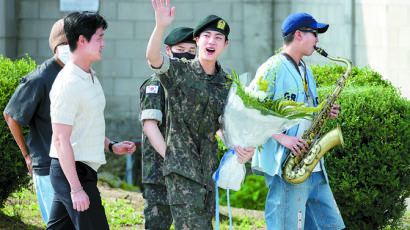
301,172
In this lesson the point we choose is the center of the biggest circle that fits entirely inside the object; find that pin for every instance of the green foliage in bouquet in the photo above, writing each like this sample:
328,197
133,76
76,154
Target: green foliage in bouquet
13,173
222,149
279,108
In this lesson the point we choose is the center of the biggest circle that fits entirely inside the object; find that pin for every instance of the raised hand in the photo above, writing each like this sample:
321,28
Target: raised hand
164,14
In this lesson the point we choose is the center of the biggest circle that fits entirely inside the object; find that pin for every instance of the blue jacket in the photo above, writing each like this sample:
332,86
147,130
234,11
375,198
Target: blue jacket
284,83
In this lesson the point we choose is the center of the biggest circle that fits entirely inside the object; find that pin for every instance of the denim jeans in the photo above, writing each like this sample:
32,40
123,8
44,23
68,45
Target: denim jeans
309,205
45,194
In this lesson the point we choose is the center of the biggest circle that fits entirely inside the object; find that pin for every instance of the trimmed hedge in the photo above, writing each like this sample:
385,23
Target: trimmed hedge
13,173
370,176
328,74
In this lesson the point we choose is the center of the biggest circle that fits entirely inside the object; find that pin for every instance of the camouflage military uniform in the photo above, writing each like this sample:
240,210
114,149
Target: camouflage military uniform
196,100
153,106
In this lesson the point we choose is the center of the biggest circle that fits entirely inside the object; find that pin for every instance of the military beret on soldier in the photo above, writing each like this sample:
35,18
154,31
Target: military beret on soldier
212,22
180,35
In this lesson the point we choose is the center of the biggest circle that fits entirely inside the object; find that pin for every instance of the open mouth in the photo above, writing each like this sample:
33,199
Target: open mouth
210,51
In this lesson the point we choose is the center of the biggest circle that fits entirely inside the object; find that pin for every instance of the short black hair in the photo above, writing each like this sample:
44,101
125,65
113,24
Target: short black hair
82,23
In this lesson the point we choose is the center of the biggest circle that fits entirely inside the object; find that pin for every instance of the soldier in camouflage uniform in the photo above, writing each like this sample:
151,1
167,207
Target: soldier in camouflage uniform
196,91
153,102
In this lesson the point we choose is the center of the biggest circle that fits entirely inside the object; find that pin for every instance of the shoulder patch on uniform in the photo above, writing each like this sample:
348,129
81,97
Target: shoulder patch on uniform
152,89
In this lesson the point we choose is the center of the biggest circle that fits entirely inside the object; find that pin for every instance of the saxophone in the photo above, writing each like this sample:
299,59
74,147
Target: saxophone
297,169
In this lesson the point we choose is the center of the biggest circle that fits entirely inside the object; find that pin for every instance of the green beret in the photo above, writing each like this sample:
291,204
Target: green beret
212,22
179,35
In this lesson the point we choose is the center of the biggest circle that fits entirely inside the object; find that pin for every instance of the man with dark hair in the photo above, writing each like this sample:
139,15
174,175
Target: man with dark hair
78,142
30,105
197,90
309,205
179,43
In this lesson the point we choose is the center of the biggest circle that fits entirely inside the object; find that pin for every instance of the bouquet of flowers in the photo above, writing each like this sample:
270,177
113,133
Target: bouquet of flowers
250,119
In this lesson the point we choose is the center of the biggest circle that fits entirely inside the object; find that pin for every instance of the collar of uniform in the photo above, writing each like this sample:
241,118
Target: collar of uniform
80,72
199,71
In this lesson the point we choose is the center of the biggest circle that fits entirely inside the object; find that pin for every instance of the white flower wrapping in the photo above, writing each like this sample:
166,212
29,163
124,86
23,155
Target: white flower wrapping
226,178
245,127
248,127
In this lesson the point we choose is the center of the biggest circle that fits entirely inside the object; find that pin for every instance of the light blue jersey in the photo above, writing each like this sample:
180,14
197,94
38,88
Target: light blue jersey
283,82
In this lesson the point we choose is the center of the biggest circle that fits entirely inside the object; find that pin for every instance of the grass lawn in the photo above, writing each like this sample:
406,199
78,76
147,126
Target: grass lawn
124,210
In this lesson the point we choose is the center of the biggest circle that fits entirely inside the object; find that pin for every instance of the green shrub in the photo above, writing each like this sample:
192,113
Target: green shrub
328,74
251,196
370,176
13,173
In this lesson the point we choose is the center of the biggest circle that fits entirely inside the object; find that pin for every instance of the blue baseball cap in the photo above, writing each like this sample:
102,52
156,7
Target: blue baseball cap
298,20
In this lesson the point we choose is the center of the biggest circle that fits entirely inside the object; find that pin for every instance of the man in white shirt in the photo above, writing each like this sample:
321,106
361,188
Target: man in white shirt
77,117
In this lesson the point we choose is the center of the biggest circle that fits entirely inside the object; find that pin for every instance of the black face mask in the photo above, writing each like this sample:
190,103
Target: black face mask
186,55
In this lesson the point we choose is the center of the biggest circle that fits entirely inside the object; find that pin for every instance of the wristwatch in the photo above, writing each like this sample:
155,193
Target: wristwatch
113,142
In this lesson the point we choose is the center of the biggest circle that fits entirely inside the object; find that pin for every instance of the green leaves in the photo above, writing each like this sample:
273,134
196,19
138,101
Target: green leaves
13,173
369,178
251,196
279,108
328,74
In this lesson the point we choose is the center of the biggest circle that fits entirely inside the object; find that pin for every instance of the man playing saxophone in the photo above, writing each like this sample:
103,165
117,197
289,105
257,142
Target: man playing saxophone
309,205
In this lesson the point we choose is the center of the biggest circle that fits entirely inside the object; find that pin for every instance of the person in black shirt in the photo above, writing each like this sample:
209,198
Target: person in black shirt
30,105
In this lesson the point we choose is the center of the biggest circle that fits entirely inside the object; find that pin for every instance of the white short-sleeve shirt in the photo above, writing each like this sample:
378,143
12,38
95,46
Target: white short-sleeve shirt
77,99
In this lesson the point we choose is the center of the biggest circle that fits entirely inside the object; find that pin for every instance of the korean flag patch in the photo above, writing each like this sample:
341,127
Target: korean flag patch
152,89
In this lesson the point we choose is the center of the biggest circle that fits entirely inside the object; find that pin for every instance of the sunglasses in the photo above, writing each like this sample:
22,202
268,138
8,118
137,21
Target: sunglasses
314,32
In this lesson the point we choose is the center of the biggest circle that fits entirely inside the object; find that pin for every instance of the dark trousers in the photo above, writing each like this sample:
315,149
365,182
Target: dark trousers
62,215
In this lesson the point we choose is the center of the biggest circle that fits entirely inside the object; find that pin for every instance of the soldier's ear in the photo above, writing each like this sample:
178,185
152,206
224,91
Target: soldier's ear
168,50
